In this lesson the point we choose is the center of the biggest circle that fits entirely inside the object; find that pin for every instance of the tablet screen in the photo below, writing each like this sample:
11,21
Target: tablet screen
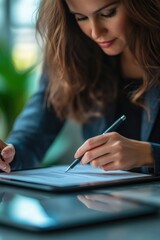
80,178
43,212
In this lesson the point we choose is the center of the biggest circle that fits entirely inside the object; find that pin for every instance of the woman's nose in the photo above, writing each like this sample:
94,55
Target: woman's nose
97,29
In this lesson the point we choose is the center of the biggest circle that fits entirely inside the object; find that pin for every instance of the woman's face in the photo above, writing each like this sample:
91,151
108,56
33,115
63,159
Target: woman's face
104,21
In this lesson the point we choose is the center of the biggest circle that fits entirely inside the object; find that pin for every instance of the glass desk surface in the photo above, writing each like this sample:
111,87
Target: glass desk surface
39,211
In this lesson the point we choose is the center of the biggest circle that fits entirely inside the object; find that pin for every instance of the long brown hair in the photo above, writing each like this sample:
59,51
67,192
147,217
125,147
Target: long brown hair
144,41
82,79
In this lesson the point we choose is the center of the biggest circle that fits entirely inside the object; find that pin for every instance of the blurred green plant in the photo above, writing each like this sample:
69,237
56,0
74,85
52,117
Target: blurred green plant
14,87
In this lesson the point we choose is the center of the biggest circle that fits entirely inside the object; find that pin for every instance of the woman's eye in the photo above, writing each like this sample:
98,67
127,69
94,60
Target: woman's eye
109,14
80,18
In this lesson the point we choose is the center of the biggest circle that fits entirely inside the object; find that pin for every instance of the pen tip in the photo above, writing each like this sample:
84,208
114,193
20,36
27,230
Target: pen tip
67,170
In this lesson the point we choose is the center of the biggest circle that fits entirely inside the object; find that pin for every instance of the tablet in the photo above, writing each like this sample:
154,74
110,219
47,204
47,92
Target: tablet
82,177
51,212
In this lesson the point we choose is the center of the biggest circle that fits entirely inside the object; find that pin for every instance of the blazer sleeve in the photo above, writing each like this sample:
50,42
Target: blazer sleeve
156,155
34,130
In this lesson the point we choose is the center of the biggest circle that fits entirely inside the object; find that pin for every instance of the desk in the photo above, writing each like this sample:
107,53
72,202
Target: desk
140,228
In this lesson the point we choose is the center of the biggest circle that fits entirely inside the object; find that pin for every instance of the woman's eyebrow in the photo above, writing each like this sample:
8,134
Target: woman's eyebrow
100,9
107,5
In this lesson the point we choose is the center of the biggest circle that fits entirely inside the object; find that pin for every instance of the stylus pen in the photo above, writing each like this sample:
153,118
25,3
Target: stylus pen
113,127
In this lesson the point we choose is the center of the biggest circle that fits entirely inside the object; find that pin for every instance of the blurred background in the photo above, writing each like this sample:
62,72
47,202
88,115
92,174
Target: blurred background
20,70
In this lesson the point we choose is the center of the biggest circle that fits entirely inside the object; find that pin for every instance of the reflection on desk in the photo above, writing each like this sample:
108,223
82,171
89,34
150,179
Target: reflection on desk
147,193
43,212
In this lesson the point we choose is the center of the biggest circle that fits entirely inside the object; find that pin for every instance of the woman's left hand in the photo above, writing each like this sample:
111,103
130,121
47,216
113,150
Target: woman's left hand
7,152
112,151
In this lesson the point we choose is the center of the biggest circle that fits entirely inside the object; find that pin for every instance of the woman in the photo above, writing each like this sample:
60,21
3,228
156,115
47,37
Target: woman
101,61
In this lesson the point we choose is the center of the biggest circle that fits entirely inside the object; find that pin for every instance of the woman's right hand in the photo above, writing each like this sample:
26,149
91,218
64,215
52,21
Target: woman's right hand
7,152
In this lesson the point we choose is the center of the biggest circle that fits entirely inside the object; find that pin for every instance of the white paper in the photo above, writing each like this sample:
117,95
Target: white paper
56,176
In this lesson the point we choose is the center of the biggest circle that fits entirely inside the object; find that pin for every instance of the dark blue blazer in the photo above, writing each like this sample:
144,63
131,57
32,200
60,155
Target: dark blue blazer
37,127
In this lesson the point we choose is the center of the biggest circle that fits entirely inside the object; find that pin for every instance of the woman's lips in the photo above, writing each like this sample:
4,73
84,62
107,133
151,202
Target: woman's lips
106,44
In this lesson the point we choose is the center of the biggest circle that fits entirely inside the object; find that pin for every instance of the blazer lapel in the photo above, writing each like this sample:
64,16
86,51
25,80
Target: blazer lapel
152,100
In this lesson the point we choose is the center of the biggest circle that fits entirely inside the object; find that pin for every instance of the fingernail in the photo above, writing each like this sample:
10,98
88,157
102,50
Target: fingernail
4,167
